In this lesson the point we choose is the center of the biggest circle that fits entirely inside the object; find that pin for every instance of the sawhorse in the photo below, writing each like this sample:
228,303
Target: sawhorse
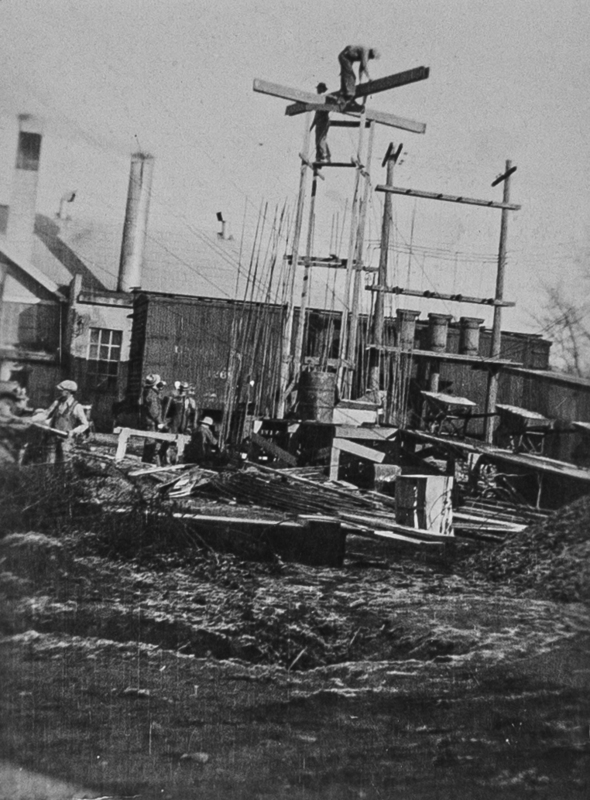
179,439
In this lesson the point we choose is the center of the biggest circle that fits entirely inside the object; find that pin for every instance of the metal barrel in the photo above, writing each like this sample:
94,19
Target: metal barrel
317,395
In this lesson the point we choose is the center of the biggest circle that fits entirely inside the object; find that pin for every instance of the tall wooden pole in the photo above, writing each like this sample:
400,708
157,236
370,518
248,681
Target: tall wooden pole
287,337
379,313
358,264
298,354
492,393
343,350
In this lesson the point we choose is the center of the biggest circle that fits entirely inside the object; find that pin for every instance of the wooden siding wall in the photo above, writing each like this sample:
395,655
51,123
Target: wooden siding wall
190,340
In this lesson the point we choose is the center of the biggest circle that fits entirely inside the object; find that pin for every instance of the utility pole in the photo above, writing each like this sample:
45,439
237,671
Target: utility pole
290,315
298,355
358,266
390,160
344,354
492,393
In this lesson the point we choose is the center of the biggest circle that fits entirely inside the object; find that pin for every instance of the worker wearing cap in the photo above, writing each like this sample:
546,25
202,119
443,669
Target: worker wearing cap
203,443
151,415
352,54
321,123
181,409
67,416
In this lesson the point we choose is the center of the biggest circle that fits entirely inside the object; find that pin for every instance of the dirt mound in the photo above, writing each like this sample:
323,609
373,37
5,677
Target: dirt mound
552,559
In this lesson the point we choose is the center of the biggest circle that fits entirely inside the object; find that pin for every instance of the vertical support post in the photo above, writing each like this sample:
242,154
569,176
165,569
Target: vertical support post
378,314
298,355
492,392
344,349
287,336
358,264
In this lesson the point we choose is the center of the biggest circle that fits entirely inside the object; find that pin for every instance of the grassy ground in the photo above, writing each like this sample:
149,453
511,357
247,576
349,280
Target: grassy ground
135,663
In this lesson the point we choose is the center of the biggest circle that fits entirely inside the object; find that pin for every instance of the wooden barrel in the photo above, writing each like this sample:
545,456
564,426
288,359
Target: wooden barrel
317,395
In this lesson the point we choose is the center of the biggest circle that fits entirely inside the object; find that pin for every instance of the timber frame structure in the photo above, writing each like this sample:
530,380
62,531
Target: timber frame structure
365,119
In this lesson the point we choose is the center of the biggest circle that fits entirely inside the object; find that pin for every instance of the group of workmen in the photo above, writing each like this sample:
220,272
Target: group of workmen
345,97
175,412
66,421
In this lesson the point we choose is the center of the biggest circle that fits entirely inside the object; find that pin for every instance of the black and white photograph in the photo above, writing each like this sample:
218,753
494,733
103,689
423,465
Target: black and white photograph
294,400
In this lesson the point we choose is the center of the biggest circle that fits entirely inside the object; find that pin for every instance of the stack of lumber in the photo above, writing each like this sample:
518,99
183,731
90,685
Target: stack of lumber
493,520
367,514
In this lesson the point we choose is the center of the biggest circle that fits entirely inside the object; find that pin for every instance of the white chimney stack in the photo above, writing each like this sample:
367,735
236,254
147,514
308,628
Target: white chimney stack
136,221
23,199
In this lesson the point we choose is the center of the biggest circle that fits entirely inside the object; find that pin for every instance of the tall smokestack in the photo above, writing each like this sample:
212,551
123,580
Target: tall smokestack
23,199
136,220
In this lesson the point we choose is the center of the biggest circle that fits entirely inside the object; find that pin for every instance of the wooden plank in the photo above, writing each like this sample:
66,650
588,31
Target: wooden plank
121,443
383,535
334,463
394,121
458,357
392,81
377,523
273,449
165,437
371,434
286,93
370,114
376,86
346,446
449,198
153,470
431,295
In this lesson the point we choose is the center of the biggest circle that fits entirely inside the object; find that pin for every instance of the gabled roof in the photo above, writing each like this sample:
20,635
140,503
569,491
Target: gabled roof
11,253
192,263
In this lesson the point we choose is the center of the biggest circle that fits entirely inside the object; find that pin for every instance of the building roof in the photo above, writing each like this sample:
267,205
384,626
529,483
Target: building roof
11,253
199,264
192,262
552,375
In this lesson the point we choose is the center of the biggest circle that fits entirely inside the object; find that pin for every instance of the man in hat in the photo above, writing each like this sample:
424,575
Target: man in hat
66,416
352,54
203,444
151,415
321,123
181,409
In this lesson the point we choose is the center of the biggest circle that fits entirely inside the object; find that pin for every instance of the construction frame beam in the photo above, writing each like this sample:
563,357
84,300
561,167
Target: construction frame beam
455,298
376,86
321,102
449,198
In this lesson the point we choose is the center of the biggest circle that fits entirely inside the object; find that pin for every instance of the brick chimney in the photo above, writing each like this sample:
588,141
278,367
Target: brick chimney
136,222
23,200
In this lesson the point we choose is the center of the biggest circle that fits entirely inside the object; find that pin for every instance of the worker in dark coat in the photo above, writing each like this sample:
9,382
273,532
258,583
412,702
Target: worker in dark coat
151,415
203,445
67,416
352,54
181,410
321,123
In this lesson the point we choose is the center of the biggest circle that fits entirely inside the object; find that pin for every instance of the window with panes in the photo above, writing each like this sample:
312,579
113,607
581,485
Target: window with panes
104,357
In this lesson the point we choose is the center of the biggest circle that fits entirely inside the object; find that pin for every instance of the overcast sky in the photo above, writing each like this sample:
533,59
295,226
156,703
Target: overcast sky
509,80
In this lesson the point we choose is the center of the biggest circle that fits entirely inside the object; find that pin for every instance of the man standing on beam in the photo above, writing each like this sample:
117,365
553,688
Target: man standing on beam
347,58
321,123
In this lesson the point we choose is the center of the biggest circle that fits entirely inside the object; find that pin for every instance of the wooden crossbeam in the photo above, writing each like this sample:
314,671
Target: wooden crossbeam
322,164
447,197
376,86
355,449
320,102
481,361
429,295
347,123
371,115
